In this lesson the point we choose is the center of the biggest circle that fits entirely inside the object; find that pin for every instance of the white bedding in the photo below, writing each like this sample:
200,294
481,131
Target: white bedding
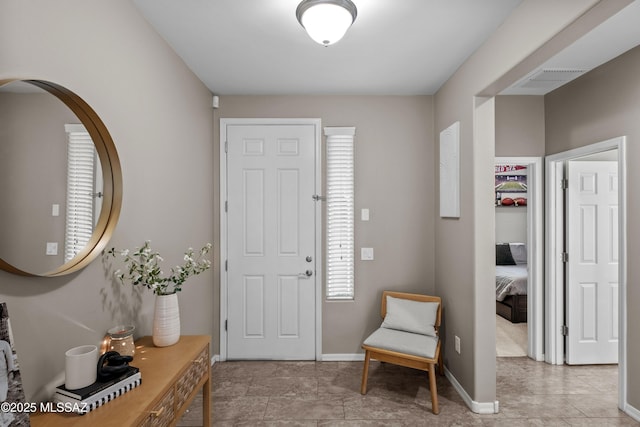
511,280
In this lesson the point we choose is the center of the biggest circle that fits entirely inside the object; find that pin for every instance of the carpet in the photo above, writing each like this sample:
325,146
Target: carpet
511,338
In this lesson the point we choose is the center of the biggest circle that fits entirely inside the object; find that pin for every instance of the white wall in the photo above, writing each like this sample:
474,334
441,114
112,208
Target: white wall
511,224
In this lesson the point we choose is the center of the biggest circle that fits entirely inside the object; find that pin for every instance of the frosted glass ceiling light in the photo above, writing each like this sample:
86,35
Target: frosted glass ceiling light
326,21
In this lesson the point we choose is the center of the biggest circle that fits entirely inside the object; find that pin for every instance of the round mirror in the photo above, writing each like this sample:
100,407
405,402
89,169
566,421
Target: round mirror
60,180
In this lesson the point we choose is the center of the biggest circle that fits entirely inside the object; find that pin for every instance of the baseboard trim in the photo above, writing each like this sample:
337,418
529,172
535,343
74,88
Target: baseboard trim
334,357
343,357
632,412
477,407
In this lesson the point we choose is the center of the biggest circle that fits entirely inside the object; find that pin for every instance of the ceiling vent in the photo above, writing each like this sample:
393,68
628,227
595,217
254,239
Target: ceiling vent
550,78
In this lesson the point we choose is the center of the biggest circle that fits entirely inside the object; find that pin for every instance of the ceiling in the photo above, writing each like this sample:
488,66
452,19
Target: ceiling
612,38
407,47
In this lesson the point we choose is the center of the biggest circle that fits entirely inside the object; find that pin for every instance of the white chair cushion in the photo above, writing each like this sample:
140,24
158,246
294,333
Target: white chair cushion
411,316
403,342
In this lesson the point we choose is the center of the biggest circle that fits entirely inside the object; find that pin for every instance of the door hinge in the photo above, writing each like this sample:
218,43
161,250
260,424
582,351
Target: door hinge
226,146
226,206
565,257
565,330
564,183
226,265
226,324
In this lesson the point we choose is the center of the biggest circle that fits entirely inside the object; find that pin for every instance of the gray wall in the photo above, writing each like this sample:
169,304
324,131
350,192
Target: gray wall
604,104
160,117
394,179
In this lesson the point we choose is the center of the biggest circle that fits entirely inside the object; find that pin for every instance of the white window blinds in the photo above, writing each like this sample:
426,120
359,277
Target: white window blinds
340,212
81,155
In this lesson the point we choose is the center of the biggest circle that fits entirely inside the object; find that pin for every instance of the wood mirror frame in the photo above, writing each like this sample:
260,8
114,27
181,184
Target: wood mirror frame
112,177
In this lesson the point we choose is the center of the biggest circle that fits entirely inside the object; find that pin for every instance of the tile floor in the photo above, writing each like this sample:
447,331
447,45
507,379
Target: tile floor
328,394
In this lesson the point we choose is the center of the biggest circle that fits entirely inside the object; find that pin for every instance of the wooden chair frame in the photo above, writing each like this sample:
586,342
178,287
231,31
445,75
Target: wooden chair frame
408,360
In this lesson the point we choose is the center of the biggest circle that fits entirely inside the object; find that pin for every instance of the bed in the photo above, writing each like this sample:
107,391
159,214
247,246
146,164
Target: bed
511,281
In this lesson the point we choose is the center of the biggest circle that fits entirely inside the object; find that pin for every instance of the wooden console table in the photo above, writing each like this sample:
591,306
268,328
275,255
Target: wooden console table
171,378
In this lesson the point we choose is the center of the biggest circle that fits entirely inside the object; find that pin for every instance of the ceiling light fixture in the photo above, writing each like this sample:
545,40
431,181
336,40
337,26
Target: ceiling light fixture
326,21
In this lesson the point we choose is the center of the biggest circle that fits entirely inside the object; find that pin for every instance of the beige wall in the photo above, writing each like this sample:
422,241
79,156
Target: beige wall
464,273
160,117
519,126
394,179
604,104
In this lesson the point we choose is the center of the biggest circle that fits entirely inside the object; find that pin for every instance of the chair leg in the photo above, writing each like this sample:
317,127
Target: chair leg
434,391
365,373
440,364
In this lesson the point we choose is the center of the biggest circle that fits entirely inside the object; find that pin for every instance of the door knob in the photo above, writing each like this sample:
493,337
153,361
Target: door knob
306,274
309,259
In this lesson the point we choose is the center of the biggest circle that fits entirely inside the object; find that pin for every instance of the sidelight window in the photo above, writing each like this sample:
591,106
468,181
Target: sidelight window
340,213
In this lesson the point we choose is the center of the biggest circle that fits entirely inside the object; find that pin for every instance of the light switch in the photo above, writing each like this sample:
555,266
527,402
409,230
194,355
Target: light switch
366,254
364,215
55,209
52,248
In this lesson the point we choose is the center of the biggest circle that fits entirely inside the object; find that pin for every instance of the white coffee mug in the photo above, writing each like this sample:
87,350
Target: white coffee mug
80,366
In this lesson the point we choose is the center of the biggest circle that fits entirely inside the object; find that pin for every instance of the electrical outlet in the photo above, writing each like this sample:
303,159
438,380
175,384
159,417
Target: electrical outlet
457,343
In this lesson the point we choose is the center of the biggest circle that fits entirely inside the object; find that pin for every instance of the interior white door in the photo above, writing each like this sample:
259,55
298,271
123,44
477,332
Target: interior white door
271,242
592,267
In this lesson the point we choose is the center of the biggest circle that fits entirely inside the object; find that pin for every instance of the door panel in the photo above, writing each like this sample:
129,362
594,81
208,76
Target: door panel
253,307
592,269
271,228
589,313
253,212
288,300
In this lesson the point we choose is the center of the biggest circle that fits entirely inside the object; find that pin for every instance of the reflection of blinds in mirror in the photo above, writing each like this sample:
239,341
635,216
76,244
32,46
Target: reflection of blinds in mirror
81,156
340,213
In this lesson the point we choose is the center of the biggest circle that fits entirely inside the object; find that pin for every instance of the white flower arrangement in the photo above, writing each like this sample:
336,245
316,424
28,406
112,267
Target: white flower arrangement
143,268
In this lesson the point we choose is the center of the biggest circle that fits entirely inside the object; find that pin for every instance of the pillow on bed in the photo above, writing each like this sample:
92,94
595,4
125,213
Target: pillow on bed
519,252
503,254
411,316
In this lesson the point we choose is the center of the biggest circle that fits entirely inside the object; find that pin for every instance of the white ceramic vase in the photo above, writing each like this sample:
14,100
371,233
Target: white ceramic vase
166,320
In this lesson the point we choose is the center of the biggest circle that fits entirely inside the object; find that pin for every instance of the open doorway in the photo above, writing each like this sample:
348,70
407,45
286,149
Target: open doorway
558,302
519,231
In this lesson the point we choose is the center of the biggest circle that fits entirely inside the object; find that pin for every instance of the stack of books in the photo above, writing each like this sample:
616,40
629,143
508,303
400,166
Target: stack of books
87,399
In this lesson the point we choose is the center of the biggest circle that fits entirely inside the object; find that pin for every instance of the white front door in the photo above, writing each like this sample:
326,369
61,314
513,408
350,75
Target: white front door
271,229
592,269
